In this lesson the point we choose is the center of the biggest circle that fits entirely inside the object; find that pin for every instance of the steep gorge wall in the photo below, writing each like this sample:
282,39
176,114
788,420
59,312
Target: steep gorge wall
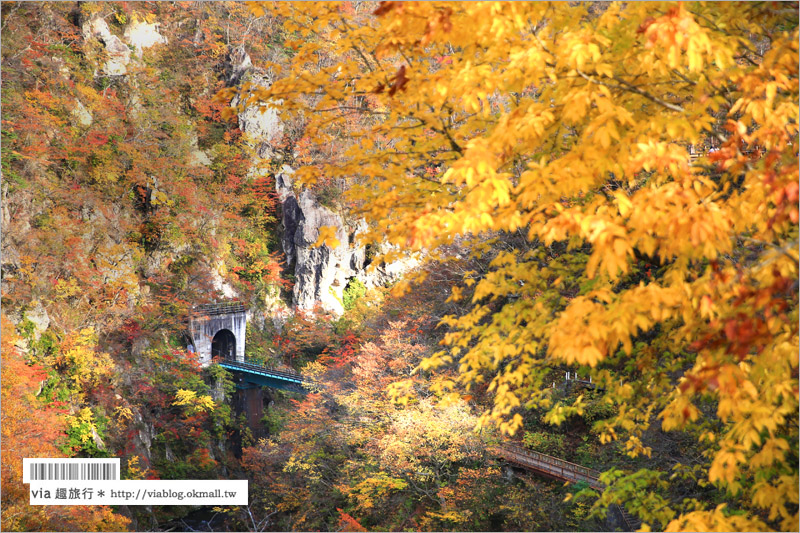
321,274
109,213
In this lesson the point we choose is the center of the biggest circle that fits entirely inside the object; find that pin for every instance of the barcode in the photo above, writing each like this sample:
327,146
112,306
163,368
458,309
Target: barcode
70,470
73,472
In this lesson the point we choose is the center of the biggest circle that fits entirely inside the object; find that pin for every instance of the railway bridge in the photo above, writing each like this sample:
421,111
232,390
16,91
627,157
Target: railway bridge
217,332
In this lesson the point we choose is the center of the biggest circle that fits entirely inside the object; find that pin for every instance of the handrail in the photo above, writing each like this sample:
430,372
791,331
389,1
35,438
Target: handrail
566,470
218,308
549,465
549,459
260,368
291,376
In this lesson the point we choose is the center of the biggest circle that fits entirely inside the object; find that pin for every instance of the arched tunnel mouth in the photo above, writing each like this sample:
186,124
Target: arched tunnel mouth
223,345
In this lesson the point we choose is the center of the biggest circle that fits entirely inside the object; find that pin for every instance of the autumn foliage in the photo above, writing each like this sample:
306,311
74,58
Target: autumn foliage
629,173
31,428
605,189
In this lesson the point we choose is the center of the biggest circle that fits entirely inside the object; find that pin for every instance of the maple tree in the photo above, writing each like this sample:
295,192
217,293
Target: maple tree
570,131
349,456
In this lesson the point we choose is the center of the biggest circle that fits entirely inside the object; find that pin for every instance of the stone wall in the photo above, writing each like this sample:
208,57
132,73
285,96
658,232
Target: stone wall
203,329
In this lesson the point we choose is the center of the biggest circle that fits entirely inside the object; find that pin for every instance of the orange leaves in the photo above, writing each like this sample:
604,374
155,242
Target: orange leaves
679,37
347,522
563,141
31,428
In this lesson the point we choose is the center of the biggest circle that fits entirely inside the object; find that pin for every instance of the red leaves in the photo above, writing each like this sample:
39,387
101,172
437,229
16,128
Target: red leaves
644,25
383,8
399,81
347,522
342,354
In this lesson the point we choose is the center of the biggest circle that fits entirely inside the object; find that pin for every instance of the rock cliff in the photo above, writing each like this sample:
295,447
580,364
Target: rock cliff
321,274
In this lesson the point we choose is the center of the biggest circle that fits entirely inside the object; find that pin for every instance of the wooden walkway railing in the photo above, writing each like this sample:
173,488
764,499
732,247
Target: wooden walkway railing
548,465
560,469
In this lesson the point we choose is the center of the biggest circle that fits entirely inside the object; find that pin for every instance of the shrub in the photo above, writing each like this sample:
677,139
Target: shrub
352,293
540,441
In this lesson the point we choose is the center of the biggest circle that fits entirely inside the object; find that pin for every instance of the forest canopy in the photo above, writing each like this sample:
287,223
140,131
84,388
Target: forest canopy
452,250
626,173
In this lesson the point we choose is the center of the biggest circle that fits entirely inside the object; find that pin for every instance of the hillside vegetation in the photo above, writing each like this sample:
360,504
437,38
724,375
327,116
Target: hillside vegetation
500,194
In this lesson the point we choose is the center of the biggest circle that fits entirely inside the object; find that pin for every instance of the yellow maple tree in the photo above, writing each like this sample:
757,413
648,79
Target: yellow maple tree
628,171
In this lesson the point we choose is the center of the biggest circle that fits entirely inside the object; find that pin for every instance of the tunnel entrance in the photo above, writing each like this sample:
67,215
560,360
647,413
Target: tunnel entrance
224,345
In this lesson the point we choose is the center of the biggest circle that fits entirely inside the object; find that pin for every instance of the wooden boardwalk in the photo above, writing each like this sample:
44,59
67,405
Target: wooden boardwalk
554,467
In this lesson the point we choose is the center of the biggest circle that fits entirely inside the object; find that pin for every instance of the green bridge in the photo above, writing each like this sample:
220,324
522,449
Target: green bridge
249,376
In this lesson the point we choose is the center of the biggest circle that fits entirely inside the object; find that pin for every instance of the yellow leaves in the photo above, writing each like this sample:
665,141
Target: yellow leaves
194,403
455,294
678,413
659,157
123,414
401,391
135,471
86,365
367,492
327,237
677,36
624,203
716,520
578,137
725,467
634,447
161,198
512,426
67,288
580,49
84,423
609,435
774,450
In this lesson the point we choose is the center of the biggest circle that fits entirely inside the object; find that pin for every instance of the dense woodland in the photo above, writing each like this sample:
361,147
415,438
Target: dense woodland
606,189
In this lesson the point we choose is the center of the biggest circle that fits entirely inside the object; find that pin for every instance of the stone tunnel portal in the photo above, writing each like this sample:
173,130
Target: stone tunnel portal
218,330
223,345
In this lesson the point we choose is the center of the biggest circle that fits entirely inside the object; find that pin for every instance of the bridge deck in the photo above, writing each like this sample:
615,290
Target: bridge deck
549,465
560,469
263,376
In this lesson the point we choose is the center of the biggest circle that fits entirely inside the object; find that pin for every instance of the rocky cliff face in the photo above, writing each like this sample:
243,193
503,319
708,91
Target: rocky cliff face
139,35
321,274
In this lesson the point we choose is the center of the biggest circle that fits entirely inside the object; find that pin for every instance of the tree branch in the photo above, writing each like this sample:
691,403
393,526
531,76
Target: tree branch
631,88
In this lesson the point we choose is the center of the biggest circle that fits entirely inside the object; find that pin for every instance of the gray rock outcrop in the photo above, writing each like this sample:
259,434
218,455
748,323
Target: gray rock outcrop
197,157
119,55
38,316
138,34
81,114
141,35
321,274
262,125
